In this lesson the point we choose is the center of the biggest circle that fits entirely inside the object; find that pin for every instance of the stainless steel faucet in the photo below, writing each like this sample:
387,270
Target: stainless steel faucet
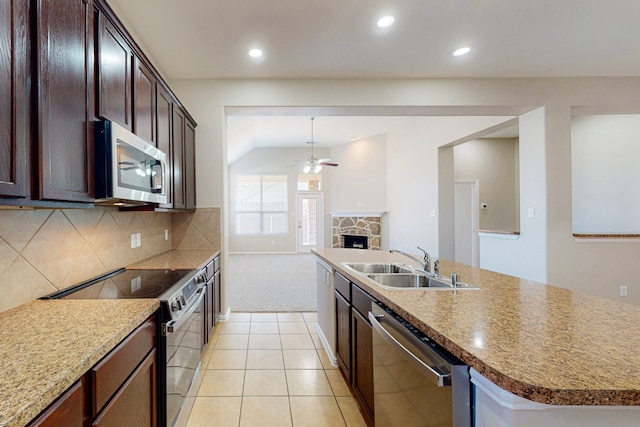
426,260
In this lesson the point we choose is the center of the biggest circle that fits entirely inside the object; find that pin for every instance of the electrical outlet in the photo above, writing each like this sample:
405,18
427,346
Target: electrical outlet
133,241
623,290
138,240
166,234
531,213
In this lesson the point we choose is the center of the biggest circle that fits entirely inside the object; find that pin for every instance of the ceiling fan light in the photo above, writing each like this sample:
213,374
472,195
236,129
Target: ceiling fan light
317,168
306,168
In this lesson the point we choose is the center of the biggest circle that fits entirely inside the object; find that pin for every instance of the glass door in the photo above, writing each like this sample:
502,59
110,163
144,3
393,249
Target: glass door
310,225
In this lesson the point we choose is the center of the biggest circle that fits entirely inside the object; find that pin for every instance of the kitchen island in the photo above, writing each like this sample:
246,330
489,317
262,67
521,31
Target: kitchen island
540,342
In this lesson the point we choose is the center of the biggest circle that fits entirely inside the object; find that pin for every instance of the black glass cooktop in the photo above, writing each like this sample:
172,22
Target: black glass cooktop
124,284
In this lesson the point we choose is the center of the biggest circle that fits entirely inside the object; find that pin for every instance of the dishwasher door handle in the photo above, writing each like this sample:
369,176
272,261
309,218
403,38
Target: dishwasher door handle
441,380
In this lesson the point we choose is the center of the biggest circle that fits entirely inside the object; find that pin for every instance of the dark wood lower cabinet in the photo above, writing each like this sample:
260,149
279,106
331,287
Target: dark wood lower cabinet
68,410
343,334
362,372
354,342
135,402
120,390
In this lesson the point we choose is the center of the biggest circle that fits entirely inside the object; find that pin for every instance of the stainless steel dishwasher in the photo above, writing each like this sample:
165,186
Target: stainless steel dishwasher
416,382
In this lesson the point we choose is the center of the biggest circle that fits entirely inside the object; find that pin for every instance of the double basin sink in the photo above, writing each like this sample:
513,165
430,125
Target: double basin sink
399,276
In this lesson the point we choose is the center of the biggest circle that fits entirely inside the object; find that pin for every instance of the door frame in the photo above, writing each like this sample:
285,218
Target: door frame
475,218
319,196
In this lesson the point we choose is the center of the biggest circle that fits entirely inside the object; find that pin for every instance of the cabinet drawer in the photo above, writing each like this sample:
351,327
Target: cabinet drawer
135,403
343,286
112,371
361,300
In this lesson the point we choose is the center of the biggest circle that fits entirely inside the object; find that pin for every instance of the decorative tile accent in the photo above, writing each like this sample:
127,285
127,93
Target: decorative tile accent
44,250
196,230
357,226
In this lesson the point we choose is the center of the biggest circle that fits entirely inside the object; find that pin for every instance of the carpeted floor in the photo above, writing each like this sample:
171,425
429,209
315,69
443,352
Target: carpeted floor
271,282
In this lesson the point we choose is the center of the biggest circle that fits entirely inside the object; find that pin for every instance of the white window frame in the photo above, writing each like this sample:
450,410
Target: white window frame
261,212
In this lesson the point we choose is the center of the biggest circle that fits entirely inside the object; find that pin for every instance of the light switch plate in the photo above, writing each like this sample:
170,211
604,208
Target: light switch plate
531,213
138,240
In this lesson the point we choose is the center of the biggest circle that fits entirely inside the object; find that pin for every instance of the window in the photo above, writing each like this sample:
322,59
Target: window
261,204
309,183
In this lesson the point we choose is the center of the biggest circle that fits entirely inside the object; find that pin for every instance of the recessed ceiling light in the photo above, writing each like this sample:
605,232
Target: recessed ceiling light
255,53
386,21
462,51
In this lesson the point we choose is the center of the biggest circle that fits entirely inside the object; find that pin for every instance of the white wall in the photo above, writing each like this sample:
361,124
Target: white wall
568,263
605,175
412,178
493,162
525,257
359,184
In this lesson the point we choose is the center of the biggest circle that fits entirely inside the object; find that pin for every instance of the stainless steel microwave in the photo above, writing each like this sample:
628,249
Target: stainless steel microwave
129,170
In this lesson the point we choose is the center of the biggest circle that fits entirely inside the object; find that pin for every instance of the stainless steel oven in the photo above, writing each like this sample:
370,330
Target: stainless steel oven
416,383
180,335
184,340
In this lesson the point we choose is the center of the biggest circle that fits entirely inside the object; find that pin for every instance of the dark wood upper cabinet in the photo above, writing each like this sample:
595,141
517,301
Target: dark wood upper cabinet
190,164
184,156
144,102
115,70
65,99
164,135
14,98
179,201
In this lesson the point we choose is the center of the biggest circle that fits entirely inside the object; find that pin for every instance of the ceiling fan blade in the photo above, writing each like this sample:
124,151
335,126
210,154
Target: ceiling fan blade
327,161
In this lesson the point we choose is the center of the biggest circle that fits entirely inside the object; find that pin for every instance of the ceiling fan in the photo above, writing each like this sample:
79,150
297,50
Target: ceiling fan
313,164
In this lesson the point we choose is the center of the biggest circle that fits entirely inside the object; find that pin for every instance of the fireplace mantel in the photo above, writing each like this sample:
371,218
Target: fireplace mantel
378,214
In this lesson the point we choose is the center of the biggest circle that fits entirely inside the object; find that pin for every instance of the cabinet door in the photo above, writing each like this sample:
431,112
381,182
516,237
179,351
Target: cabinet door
362,370
65,49
67,410
164,135
144,102
179,201
217,301
115,59
343,334
189,171
135,403
211,303
14,100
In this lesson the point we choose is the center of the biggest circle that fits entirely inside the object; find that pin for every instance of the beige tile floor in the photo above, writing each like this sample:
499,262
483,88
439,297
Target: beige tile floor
270,370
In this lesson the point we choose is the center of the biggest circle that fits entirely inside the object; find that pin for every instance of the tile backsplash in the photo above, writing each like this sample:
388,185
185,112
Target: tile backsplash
44,250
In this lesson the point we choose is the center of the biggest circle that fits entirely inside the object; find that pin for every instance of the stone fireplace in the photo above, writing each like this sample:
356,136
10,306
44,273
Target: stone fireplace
353,225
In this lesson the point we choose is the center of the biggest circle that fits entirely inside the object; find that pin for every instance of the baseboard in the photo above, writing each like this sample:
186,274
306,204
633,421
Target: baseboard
327,347
224,317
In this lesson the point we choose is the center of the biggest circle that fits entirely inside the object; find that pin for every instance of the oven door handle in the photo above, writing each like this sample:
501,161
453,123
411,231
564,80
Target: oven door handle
441,380
173,325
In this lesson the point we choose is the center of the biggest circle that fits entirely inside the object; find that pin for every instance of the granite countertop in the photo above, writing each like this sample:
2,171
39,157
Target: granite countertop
47,345
540,342
177,259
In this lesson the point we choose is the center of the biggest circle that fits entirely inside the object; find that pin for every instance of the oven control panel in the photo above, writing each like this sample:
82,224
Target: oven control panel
183,299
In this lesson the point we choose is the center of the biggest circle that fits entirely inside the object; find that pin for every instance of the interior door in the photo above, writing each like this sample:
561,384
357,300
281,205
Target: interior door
466,222
310,225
